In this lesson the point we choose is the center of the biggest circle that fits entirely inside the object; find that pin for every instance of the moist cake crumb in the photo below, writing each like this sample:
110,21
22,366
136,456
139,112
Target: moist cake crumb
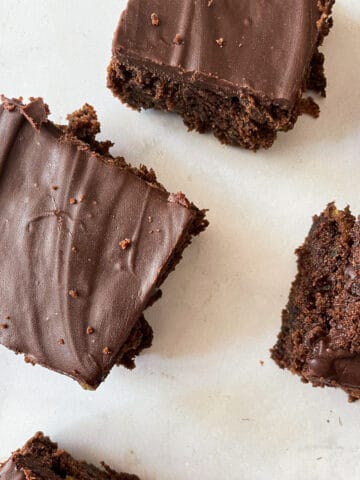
41,459
320,333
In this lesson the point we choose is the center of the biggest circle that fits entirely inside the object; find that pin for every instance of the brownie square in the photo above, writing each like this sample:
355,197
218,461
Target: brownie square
237,68
320,333
86,241
40,459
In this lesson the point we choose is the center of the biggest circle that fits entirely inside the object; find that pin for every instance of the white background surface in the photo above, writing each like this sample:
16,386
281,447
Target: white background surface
199,405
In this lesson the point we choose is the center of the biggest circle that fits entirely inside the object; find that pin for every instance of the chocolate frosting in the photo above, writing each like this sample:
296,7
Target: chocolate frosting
9,471
333,366
64,215
262,45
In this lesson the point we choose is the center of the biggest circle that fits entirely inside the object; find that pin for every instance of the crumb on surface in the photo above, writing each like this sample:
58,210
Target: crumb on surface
155,20
61,341
178,40
308,106
73,293
90,330
72,201
106,351
124,244
221,42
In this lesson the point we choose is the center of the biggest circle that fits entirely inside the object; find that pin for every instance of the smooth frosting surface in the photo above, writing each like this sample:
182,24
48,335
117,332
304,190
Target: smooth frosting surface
263,45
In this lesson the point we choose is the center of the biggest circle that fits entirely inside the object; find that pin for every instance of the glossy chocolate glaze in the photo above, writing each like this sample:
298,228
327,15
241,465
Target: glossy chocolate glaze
9,471
261,45
63,213
328,366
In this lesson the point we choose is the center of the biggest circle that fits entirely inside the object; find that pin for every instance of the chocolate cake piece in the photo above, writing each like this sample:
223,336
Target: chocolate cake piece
40,459
320,334
237,68
86,241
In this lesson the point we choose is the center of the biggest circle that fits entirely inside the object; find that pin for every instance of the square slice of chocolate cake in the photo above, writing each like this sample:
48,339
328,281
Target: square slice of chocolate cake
86,241
320,333
40,459
237,68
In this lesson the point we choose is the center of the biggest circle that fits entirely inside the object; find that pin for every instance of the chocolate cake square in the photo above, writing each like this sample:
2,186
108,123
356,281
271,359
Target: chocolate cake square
40,459
237,68
86,242
320,333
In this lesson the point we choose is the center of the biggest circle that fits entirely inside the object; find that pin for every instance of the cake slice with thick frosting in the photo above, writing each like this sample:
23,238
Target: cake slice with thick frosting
86,241
237,68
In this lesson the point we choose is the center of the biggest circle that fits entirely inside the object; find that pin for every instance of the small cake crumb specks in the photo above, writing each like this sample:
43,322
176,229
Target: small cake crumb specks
72,201
124,244
93,317
212,33
178,40
155,20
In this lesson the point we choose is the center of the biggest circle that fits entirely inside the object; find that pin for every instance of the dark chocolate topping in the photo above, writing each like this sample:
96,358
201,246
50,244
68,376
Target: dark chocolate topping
63,212
36,112
262,45
9,471
340,366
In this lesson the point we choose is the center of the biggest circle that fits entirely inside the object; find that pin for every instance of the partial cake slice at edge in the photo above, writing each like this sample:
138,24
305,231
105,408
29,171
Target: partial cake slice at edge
41,459
320,334
243,118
